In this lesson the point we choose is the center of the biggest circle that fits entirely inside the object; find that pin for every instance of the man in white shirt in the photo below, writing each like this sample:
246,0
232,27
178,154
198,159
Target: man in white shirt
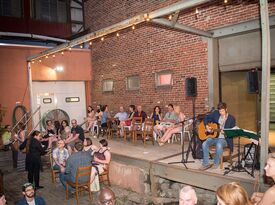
121,115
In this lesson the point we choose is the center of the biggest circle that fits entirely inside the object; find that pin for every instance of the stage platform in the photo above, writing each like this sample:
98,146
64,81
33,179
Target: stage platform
156,159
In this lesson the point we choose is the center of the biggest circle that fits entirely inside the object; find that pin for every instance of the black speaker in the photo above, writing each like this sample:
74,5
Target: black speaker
191,87
253,81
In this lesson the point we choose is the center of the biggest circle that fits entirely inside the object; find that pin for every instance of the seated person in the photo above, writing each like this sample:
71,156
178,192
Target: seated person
6,137
169,119
50,135
102,158
105,116
76,159
29,196
60,156
91,118
107,196
232,193
176,128
121,115
65,130
156,115
187,196
77,133
88,146
225,120
140,113
128,121
266,198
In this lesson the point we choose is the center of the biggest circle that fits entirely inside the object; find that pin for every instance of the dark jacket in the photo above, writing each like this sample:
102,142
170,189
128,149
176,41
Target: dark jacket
229,123
38,201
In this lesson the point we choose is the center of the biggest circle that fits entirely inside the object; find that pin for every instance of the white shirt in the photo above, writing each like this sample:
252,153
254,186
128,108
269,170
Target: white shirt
31,202
121,116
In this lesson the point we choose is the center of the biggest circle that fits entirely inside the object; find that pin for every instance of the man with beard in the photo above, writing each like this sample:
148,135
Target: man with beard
29,196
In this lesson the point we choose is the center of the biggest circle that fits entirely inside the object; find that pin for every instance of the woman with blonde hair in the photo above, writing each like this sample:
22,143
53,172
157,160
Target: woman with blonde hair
176,128
232,194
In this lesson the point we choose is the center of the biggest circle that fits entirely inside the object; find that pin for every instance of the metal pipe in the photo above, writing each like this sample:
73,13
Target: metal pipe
178,26
30,87
265,92
35,36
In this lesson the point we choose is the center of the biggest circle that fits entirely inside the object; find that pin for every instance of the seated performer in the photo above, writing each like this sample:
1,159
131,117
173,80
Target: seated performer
225,120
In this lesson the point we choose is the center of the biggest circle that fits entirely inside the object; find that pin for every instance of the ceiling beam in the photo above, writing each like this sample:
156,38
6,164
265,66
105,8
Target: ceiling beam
184,4
181,27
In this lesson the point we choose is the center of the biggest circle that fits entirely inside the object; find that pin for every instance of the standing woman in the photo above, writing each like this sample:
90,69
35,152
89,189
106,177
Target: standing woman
34,151
156,115
91,118
20,137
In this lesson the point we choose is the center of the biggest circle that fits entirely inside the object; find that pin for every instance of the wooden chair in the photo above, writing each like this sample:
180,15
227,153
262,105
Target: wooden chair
104,176
148,130
80,186
127,130
112,127
226,153
136,128
54,172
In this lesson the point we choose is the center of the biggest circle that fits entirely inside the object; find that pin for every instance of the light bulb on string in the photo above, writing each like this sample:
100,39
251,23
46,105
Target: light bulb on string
47,56
62,53
117,34
197,11
70,49
102,39
90,43
40,60
53,55
225,1
133,27
32,62
170,17
81,46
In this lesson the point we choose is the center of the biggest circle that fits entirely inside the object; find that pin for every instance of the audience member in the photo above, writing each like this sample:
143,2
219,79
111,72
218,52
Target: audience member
187,196
60,156
34,150
3,200
169,119
21,156
266,198
107,196
50,135
76,160
105,116
29,196
102,158
128,121
156,115
65,130
57,127
88,146
140,113
91,118
77,133
176,128
121,115
6,137
233,194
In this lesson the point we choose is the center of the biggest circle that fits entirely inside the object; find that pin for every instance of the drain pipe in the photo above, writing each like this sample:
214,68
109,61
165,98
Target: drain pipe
30,88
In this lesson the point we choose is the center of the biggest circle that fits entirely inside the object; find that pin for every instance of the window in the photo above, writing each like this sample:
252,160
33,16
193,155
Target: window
47,100
72,99
132,83
12,8
51,10
108,85
164,78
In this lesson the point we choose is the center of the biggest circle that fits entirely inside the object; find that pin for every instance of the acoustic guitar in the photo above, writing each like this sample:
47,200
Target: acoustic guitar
203,134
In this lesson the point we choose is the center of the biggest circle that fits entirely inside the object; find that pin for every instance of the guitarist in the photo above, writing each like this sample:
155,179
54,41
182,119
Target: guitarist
225,120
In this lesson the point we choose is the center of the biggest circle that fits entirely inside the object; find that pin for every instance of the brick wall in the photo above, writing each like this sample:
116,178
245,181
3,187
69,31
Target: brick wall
150,48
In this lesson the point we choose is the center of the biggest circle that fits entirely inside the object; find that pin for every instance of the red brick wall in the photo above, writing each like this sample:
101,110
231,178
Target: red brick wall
150,48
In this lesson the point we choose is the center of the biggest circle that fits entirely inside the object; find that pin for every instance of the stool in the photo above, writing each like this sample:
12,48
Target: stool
226,153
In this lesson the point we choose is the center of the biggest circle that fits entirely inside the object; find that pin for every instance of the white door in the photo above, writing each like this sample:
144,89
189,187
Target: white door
67,96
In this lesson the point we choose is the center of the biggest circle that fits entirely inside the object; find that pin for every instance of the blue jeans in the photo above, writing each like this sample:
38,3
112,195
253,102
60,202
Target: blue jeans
63,179
219,143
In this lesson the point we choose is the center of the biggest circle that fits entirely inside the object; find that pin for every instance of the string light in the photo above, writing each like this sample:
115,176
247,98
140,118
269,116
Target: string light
102,39
117,34
47,56
225,1
70,49
170,17
53,56
90,43
197,11
133,27
40,60
81,46
62,53
32,62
